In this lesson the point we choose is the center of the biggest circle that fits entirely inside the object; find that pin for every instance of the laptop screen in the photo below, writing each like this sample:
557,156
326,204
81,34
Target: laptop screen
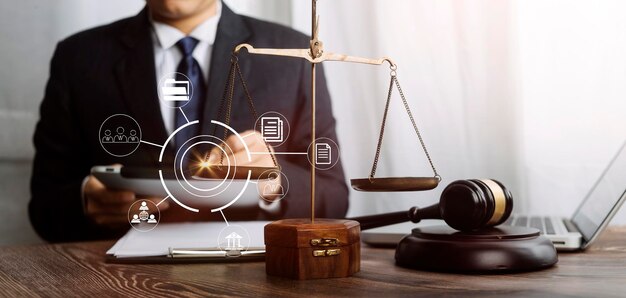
604,198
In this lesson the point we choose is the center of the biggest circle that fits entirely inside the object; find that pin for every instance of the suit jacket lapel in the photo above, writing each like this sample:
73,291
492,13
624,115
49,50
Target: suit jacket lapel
231,31
137,79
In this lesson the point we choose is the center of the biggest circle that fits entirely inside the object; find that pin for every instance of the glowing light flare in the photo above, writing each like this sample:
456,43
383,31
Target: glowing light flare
207,169
200,164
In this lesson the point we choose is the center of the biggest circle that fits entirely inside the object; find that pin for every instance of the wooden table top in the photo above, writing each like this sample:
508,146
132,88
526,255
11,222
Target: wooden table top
79,269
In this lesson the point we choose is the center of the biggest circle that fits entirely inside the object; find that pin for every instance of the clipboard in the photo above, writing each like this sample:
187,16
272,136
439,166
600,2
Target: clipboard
256,254
195,242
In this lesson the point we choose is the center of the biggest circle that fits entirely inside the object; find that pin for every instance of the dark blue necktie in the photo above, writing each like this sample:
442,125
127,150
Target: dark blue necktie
193,108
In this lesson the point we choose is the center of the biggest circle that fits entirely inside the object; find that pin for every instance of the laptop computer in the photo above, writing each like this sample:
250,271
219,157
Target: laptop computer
574,233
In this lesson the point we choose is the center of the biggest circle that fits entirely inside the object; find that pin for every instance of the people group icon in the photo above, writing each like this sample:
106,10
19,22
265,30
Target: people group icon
120,137
144,215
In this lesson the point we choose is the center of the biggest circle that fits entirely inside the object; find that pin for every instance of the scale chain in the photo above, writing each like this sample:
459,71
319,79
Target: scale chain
382,130
227,101
394,79
253,109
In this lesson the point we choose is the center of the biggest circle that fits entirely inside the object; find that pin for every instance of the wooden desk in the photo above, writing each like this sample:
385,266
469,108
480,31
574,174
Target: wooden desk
78,269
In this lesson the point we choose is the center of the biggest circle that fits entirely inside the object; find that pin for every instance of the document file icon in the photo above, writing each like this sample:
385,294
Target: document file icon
272,129
173,90
323,154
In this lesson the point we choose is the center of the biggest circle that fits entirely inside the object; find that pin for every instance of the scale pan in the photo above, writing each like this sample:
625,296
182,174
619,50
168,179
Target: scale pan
395,183
239,172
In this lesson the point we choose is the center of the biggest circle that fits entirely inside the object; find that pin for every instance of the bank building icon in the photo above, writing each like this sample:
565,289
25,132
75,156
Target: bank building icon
233,241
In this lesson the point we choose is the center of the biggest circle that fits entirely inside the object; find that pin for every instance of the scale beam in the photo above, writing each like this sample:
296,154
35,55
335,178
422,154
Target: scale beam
306,54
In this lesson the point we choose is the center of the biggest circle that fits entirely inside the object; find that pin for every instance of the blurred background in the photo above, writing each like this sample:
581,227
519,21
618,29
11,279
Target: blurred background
532,93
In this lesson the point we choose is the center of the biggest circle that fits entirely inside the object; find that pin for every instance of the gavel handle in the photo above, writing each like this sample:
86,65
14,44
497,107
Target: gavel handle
414,214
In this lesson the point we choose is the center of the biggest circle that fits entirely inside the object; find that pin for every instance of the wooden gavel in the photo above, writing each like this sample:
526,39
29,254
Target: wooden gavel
464,205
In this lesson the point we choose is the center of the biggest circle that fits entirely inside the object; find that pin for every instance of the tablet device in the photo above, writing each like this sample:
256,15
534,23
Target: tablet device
193,192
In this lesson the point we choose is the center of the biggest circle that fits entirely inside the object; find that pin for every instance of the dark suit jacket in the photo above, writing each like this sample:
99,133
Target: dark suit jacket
110,70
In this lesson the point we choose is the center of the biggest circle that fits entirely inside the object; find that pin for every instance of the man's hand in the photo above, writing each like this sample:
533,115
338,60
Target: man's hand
109,208
254,141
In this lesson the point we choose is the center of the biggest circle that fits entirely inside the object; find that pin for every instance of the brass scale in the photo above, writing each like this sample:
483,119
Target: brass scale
315,54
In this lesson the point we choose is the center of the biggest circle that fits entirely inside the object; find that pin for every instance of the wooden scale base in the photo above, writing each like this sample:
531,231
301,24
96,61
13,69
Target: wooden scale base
494,250
299,249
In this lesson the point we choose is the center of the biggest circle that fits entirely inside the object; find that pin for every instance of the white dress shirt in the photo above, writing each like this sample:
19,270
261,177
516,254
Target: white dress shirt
167,56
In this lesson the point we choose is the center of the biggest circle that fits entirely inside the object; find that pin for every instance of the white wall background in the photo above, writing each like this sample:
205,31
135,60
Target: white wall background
532,93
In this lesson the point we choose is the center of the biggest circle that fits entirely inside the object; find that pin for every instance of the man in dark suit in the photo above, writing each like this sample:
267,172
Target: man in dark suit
114,69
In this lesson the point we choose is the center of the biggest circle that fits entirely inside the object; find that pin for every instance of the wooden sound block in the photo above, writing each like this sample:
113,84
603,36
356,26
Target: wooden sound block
492,250
298,249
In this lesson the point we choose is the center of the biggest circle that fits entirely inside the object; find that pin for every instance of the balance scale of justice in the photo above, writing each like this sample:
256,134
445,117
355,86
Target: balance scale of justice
307,248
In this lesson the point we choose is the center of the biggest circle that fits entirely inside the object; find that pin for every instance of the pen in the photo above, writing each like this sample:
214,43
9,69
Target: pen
214,252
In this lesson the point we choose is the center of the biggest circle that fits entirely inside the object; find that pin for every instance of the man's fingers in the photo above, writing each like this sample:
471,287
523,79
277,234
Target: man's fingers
110,219
100,209
106,196
250,137
161,203
260,146
215,155
111,207
241,157
236,150
258,160
96,191
234,144
96,207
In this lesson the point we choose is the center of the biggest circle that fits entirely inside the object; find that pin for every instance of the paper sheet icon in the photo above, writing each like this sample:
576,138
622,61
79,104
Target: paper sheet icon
173,90
272,129
323,154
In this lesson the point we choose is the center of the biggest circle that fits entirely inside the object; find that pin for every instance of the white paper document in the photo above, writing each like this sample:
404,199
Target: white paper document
197,235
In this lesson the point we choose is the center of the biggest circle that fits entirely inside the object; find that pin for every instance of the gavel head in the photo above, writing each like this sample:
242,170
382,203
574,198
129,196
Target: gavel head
476,203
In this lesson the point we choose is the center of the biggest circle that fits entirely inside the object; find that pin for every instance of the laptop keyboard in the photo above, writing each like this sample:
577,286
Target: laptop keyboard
543,224
549,227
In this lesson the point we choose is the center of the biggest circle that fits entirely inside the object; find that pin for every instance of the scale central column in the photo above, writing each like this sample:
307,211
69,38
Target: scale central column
313,146
314,51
